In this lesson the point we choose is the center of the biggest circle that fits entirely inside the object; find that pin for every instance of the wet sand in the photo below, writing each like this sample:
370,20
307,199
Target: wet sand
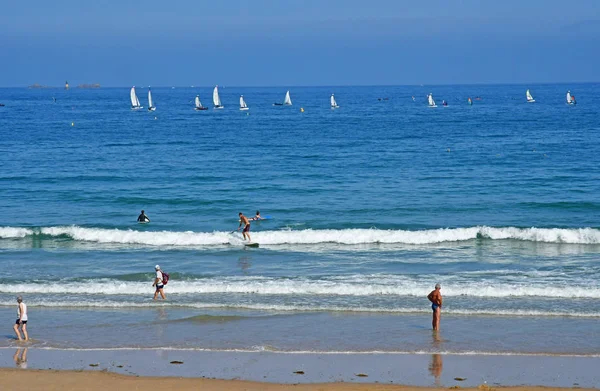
40,368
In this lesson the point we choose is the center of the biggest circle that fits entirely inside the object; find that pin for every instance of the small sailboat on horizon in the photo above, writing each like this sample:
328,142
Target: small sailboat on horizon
199,104
470,101
151,106
571,99
216,100
135,102
334,104
286,102
430,101
243,105
529,97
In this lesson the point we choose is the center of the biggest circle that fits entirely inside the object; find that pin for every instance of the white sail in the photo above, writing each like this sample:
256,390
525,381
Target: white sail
431,101
287,101
216,99
529,97
198,103
135,102
243,105
150,105
334,104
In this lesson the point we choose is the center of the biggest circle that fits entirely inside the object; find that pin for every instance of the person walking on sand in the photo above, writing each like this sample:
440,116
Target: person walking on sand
158,283
244,221
21,320
435,297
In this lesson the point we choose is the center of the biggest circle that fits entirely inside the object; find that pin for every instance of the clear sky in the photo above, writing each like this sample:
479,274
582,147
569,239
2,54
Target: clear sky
294,43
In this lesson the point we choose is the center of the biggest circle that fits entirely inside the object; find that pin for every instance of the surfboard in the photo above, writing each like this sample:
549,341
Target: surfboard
143,222
251,244
262,218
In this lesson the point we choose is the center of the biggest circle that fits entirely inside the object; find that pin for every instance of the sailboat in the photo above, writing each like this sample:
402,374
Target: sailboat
135,102
216,99
470,102
571,99
529,97
151,106
430,100
199,104
334,104
243,105
286,102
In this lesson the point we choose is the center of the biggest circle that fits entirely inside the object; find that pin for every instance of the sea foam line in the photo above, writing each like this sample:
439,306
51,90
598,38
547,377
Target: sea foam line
309,236
358,287
264,349
298,308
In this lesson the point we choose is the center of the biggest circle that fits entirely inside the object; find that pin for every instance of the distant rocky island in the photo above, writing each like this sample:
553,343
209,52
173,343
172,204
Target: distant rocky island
94,85
40,86
37,86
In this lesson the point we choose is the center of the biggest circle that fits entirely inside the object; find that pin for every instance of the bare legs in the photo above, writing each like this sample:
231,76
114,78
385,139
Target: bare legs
162,293
246,235
435,323
24,329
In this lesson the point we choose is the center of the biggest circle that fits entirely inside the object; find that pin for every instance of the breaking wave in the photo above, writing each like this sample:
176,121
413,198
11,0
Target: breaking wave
308,236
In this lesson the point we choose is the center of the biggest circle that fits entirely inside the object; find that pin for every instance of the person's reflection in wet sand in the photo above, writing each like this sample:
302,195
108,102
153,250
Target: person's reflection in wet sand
21,358
435,368
436,365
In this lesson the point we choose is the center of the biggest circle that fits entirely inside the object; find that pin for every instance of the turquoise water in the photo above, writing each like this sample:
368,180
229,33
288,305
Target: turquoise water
371,205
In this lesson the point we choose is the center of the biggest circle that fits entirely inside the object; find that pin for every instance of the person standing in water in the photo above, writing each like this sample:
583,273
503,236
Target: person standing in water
244,221
435,297
257,216
142,218
158,283
21,320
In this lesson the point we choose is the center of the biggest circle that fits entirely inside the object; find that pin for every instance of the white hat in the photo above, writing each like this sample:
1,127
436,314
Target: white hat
157,267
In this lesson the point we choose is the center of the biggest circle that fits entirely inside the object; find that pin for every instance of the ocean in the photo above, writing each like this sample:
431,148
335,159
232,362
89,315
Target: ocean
370,206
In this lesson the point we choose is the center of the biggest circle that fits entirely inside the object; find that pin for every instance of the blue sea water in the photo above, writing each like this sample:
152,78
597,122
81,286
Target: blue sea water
370,204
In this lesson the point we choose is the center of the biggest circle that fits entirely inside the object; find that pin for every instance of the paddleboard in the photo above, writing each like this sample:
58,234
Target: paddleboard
251,244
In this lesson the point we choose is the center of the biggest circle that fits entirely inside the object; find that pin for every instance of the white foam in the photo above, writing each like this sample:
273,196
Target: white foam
361,286
299,308
268,349
311,237
14,232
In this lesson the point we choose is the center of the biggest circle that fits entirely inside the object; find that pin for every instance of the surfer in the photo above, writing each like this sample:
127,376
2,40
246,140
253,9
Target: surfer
244,221
435,297
142,218
257,216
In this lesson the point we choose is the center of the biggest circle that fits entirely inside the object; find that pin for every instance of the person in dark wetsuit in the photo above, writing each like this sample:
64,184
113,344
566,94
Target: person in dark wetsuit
435,297
142,218
257,216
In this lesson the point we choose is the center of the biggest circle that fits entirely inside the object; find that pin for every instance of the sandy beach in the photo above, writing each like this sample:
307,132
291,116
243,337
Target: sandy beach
15,379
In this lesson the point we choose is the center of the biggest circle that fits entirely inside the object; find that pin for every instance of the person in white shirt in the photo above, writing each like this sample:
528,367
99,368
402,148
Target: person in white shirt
158,283
21,320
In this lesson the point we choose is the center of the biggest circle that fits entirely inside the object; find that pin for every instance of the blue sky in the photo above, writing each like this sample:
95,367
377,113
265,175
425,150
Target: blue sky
294,43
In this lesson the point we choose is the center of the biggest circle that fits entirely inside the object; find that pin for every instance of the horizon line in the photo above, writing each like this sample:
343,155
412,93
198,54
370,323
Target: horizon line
44,87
